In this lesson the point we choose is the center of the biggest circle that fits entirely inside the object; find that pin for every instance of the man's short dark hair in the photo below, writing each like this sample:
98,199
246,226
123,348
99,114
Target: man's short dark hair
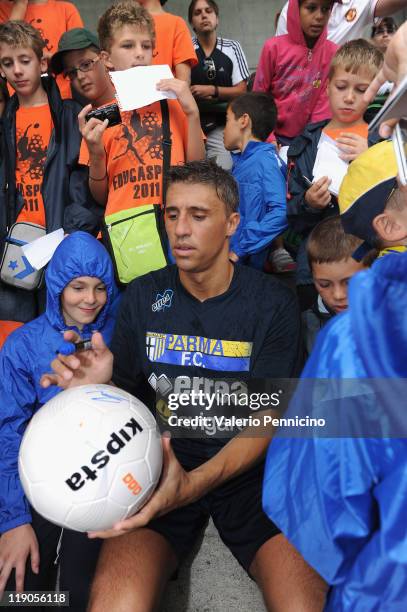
261,109
211,3
206,172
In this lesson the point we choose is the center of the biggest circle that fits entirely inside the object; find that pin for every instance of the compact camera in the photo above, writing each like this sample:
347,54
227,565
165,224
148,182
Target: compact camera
110,112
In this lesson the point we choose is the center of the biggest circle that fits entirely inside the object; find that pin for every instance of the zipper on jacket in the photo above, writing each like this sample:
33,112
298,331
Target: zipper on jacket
51,152
146,212
309,55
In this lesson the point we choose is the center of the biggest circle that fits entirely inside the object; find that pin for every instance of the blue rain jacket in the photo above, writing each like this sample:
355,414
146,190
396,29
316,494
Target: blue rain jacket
28,352
261,176
342,502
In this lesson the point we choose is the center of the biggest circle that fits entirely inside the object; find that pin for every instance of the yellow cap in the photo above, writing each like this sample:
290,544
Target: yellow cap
365,189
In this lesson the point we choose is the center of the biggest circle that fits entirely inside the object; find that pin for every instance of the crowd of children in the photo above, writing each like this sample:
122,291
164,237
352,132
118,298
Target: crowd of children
102,183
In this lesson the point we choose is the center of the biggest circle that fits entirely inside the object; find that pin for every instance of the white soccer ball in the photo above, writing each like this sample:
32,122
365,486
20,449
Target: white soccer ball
90,457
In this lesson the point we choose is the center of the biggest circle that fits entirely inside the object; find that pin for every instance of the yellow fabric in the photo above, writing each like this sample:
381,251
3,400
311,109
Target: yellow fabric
373,167
393,249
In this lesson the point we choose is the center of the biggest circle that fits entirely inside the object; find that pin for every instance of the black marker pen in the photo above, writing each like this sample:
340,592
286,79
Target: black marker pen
83,345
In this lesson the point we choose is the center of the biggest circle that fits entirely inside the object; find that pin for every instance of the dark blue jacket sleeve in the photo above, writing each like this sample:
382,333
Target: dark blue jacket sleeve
83,213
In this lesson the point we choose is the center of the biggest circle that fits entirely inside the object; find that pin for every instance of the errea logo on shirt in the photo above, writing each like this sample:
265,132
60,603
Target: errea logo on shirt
162,301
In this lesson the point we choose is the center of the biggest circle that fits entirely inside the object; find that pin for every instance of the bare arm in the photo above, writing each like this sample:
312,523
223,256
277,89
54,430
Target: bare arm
236,457
228,93
183,72
19,10
92,133
212,92
98,181
386,8
195,148
178,488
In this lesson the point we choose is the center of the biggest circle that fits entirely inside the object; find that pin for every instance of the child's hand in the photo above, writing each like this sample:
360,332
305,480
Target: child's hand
318,195
15,546
351,145
203,92
92,132
183,93
233,257
92,366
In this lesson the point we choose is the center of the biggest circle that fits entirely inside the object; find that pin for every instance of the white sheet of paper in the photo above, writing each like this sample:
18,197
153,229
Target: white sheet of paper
40,251
328,163
136,87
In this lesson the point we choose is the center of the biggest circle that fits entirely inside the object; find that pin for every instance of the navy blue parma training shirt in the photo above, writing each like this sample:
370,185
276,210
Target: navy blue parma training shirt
166,337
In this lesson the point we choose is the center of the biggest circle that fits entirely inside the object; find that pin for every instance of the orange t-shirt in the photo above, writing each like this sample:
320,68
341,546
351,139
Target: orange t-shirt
361,129
173,43
52,19
6,327
33,132
134,155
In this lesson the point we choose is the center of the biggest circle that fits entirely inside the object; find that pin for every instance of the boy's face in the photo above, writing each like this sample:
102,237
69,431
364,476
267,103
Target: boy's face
232,134
22,68
345,93
197,225
314,15
86,72
82,300
130,47
331,281
204,18
383,35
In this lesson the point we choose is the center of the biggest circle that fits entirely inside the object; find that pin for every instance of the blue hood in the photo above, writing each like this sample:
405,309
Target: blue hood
253,147
342,501
378,312
79,254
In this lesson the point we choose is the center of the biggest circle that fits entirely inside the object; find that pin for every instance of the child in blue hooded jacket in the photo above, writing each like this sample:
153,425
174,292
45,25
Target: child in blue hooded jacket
81,295
260,174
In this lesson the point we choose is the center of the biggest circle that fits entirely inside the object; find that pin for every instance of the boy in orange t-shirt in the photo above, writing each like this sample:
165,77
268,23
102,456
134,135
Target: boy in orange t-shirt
78,59
41,139
173,44
126,161
51,18
352,69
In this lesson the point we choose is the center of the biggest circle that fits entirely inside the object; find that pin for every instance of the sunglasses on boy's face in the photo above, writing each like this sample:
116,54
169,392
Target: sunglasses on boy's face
210,68
85,66
389,30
